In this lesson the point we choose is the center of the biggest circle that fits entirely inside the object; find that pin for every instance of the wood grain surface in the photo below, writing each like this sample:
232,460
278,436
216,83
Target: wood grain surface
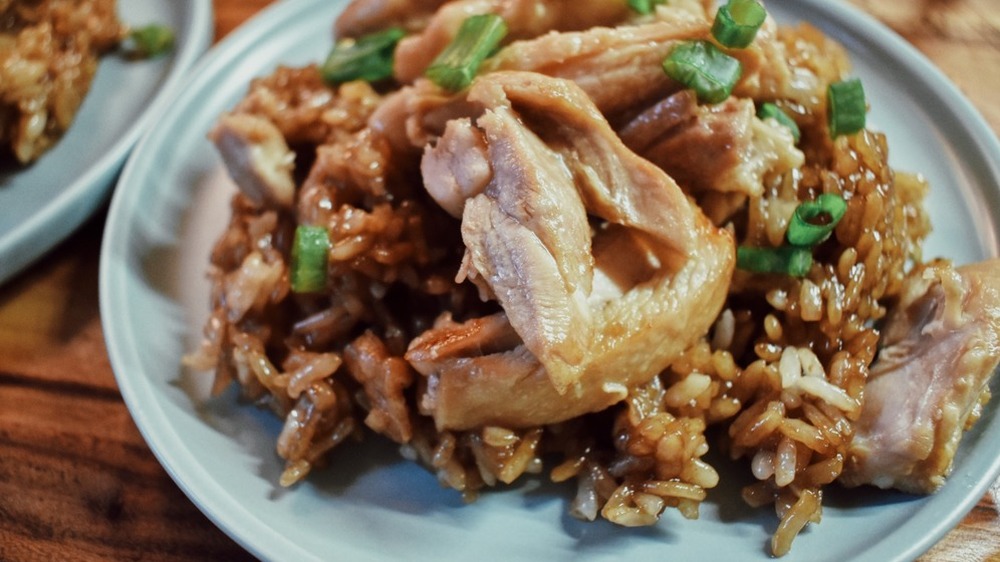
77,481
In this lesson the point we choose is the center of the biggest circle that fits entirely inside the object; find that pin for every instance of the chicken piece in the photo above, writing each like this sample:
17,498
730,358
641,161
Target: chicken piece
941,347
257,158
524,19
457,167
619,68
416,115
598,309
666,117
509,387
722,147
385,380
361,17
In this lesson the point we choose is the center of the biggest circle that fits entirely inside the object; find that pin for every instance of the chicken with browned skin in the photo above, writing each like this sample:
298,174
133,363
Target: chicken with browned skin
929,382
591,323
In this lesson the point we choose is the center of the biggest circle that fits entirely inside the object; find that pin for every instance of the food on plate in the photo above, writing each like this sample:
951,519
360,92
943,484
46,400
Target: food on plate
518,238
49,53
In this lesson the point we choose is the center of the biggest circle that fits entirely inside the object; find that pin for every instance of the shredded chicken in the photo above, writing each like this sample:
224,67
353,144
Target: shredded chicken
593,323
941,346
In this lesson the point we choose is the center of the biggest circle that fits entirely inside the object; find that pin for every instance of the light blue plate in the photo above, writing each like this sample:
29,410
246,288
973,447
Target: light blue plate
43,203
172,203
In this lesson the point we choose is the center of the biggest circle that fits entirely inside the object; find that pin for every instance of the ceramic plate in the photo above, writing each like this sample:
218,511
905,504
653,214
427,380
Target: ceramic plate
42,203
172,203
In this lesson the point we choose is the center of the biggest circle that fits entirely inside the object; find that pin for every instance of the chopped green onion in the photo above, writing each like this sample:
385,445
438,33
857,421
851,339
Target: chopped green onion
846,106
787,260
701,66
769,110
309,258
476,39
644,6
737,22
803,230
152,40
367,58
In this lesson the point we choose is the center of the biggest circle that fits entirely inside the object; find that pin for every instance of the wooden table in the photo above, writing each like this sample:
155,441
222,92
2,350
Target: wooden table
77,481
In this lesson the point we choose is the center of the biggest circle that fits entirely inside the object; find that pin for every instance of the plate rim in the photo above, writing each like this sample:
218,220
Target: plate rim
252,537
841,14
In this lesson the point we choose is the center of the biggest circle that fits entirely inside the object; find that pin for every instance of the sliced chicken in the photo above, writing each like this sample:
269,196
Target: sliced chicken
257,157
942,345
598,308
524,19
722,147
619,68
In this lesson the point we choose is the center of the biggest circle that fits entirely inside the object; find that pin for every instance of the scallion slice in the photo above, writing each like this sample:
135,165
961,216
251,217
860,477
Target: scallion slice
786,260
151,40
367,58
458,64
701,66
769,110
644,6
804,228
309,257
846,107
737,22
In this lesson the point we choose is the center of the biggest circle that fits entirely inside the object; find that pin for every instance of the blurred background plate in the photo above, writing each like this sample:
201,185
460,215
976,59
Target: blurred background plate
43,203
173,201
